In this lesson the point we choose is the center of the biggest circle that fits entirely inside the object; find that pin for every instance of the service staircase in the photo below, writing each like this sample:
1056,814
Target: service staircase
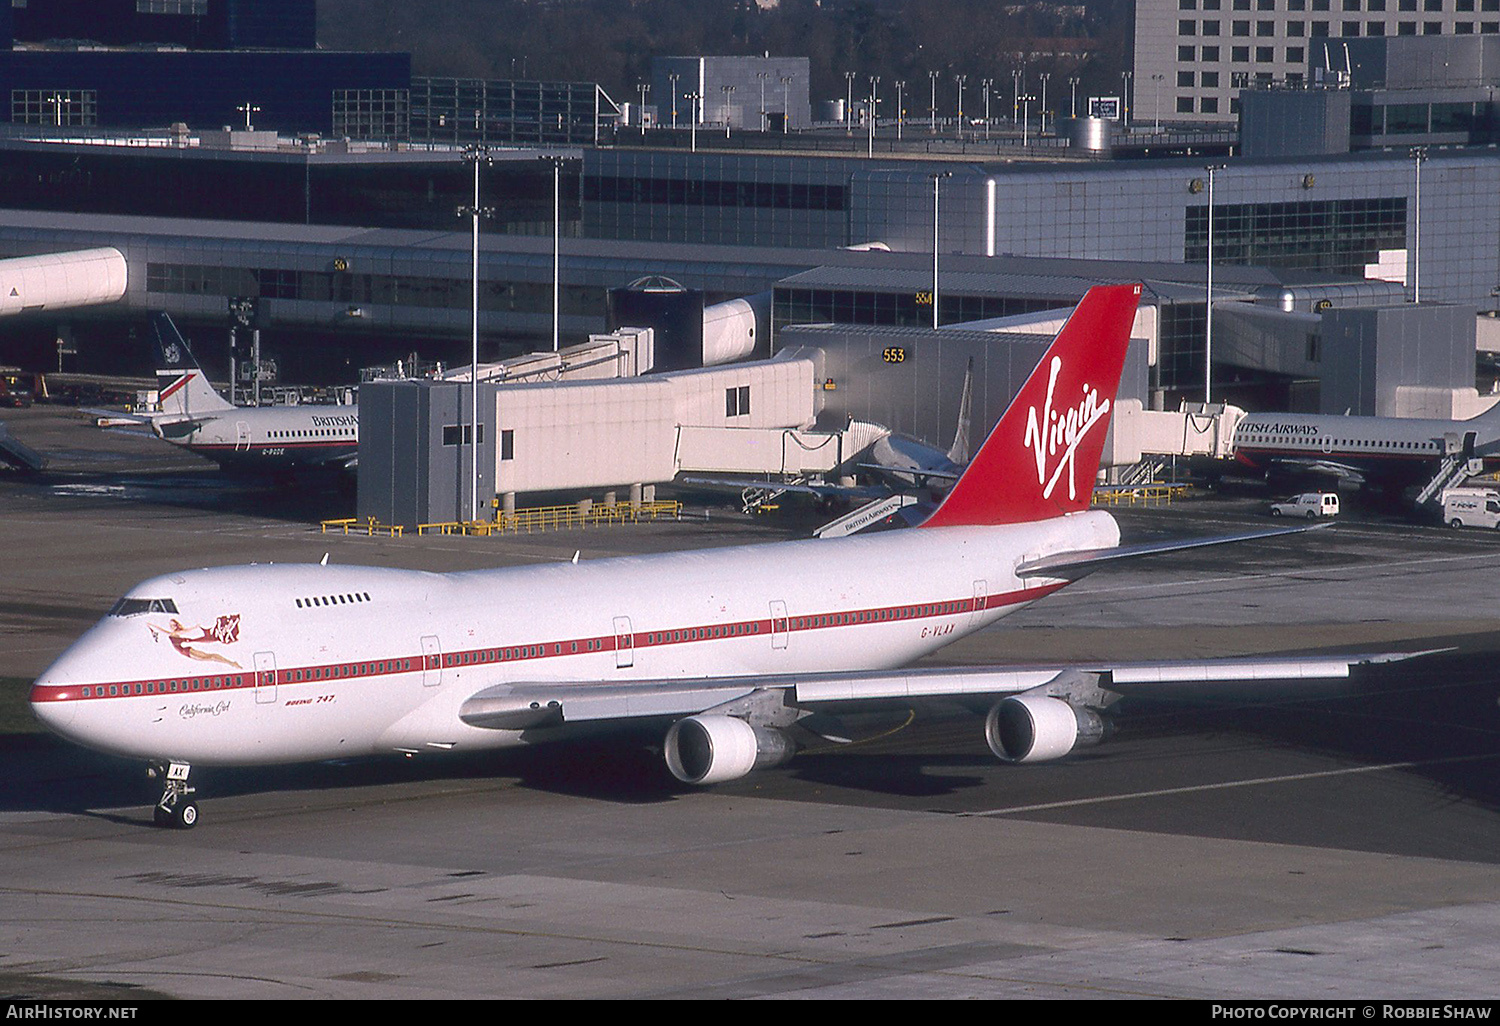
18,456
868,515
1456,468
1145,472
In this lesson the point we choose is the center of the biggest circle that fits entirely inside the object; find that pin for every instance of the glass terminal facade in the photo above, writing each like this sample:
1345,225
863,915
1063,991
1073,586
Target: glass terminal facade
1339,236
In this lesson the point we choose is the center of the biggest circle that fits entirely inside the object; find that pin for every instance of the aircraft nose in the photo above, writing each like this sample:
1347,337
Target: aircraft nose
54,705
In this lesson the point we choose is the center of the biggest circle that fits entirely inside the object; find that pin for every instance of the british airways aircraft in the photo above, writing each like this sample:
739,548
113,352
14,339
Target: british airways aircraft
1391,452
244,438
725,650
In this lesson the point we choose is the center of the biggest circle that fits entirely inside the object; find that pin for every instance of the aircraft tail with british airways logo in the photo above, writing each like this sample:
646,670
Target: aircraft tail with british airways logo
1041,458
182,389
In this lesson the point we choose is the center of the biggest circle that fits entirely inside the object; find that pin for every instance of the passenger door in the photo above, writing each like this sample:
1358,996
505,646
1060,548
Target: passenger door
779,624
624,643
432,661
265,678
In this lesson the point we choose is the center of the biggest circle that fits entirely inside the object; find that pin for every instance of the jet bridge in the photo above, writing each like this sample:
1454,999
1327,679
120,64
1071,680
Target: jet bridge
1138,435
60,281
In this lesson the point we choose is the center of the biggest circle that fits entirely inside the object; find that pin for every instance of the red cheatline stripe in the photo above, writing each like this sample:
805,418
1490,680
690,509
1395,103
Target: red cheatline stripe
371,668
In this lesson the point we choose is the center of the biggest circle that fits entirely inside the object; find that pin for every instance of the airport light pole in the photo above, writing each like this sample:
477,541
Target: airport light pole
1156,103
248,109
728,91
900,106
1125,99
1073,89
693,99
849,103
57,100
987,83
1418,158
764,123
557,163
1208,332
932,108
673,79
1026,99
643,89
874,86
1041,114
937,180
1015,94
960,120
786,103
476,154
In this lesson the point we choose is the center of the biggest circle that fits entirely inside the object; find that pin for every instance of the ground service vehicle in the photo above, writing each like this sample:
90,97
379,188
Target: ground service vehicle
1309,504
1471,507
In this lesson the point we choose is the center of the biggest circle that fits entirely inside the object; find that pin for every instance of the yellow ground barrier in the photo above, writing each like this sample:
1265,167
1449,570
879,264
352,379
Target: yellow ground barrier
1141,495
539,518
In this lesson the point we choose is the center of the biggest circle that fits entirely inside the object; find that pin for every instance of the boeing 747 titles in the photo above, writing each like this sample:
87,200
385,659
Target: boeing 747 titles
725,650
244,438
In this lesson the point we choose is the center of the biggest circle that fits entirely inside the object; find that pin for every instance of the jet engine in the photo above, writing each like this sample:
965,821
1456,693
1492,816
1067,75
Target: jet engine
1036,728
709,749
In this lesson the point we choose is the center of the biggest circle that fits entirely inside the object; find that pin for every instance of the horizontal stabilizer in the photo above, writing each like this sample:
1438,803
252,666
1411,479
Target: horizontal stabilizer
1073,565
921,473
822,491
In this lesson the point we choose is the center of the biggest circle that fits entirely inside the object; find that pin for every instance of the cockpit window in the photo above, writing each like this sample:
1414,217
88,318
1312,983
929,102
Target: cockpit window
132,606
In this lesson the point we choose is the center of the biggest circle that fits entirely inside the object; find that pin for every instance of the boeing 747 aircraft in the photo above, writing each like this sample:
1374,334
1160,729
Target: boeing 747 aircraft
725,650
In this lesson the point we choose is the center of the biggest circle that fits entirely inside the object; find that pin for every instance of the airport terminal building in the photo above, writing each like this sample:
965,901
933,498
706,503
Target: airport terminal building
362,254
350,251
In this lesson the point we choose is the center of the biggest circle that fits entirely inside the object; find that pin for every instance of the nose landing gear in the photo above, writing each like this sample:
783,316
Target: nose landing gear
175,807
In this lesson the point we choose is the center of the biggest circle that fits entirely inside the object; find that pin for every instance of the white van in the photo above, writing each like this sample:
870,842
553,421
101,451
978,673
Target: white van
1309,504
1471,507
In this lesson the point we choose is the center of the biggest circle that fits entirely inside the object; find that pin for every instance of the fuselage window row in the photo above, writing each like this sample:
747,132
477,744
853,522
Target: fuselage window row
334,600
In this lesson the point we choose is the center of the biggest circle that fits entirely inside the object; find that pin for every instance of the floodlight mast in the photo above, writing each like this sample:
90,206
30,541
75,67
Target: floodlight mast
476,154
1208,333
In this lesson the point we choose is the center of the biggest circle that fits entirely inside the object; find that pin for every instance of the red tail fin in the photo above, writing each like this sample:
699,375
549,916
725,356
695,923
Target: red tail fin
1041,459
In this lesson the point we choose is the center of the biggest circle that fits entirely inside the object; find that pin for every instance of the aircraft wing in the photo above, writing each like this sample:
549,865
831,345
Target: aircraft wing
1328,468
523,706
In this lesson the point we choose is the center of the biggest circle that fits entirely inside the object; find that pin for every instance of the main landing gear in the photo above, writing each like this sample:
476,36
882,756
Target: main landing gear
176,807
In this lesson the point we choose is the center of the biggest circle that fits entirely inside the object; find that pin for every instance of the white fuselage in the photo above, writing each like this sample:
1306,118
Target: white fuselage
273,437
1403,449
261,664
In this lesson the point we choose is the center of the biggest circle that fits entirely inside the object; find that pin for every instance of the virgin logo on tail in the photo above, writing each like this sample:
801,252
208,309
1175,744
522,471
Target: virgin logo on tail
1063,430
1054,427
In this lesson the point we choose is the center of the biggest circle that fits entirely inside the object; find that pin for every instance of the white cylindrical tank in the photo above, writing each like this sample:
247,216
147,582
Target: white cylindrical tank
829,110
58,281
730,329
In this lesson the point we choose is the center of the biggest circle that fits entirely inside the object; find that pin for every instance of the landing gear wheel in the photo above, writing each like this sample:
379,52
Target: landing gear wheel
175,808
